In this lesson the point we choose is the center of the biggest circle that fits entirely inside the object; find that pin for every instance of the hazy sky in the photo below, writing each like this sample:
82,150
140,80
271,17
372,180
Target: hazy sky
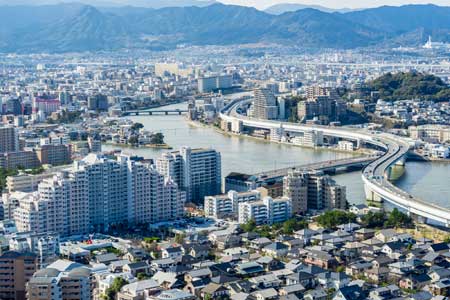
336,3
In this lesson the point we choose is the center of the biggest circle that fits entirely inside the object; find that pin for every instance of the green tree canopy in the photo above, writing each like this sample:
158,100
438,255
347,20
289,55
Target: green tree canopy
398,219
293,224
333,218
157,139
249,226
111,292
373,219
137,126
410,85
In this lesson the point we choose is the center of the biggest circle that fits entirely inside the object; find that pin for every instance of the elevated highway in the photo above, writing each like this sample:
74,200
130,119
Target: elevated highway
375,175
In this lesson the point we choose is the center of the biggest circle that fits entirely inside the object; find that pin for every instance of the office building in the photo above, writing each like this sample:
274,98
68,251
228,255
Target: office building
9,139
95,145
29,182
239,182
54,154
196,171
65,97
95,193
265,105
46,105
97,102
209,84
16,269
13,106
312,190
26,159
322,106
430,133
266,211
60,281
313,138
319,91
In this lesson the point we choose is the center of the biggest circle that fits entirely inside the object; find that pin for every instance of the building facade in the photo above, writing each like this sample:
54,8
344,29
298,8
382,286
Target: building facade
9,139
16,269
265,105
266,211
313,190
196,171
96,193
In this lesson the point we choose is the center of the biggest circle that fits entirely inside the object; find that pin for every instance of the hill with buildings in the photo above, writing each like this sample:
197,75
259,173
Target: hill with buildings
411,85
80,27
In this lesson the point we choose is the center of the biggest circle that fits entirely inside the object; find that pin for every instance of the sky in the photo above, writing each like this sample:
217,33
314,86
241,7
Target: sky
261,4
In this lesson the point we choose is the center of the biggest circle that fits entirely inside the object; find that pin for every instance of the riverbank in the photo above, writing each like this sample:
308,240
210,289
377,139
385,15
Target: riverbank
431,159
154,146
359,152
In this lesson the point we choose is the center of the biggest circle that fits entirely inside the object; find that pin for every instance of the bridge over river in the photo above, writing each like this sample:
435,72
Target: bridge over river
375,175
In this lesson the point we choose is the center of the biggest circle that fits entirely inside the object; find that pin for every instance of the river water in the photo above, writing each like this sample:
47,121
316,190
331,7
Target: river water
429,181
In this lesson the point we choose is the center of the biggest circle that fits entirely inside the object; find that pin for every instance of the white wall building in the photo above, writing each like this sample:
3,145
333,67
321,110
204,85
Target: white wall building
97,192
266,211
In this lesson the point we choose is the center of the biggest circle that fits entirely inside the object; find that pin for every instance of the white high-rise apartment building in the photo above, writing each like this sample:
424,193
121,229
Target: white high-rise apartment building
266,211
97,192
196,171
227,205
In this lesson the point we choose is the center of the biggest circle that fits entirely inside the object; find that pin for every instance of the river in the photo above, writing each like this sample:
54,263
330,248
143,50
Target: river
429,181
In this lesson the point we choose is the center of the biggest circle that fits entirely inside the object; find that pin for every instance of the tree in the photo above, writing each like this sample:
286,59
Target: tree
293,224
179,238
249,226
142,276
340,269
111,292
398,219
265,231
157,139
373,220
133,140
331,219
3,174
137,126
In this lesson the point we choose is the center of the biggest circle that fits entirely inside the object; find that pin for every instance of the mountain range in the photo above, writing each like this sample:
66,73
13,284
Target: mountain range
115,3
282,8
72,27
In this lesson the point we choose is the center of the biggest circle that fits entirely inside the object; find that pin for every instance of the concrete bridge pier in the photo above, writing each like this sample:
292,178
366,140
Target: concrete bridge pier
401,162
418,219
371,195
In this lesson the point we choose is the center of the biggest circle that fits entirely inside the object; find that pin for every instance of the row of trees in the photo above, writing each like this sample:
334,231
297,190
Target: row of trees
393,219
333,218
287,227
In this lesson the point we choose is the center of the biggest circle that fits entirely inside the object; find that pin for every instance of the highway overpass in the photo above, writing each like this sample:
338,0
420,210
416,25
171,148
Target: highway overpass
375,176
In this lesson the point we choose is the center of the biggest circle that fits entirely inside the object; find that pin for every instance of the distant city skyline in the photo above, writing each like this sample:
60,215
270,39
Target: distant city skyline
262,4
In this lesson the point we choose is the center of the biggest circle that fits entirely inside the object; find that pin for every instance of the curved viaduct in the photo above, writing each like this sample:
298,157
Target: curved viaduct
375,178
